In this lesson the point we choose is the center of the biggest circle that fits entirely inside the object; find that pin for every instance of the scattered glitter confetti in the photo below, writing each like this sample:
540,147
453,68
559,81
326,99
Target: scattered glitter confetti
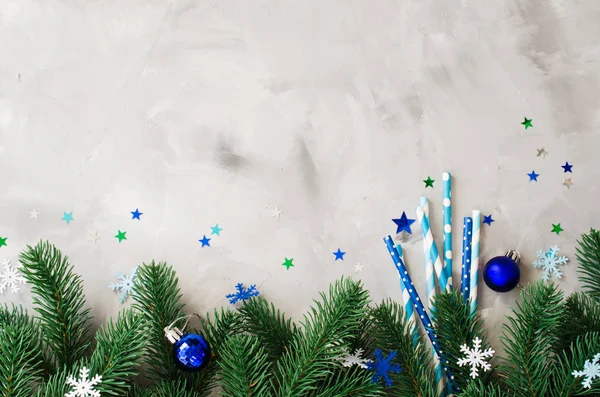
276,213
10,277
557,229
93,237
487,219
527,123
358,268
549,261
591,370
428,182
242,294
125,284
542,153
83,387
121,235
382,366
567,182
67,217
349,359
339,255
205,241
567,167
34,214
475,357
403,223
216,230
533,176
288,263
136,214
3,241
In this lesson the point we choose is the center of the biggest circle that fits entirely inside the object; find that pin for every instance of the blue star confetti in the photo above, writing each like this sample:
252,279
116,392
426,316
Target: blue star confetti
241,294
67,217
383,366
567,167
125,284
216,230
403,223
205,241
487,219
533,176
136,214
339,254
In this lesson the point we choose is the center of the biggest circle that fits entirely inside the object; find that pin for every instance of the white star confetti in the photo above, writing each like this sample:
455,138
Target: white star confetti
591,370
475,357
276,213
83,387
358,268
93,237
549,261
125,284
10,277
349,359
34,214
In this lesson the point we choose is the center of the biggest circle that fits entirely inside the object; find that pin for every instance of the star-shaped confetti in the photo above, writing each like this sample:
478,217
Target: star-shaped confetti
567,182
276,213
67,217
3,241
34,214
288,263
487,219
527,123
358,268
216,230
557,229
403,223
339,254
136,214
93,237
533,176
121,235
428,182
205,241
567,167
542,153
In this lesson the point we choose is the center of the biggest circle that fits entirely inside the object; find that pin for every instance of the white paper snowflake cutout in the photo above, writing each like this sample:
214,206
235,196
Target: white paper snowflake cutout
125,284
475,357
83,387
549,261
591,370
10,277
349,359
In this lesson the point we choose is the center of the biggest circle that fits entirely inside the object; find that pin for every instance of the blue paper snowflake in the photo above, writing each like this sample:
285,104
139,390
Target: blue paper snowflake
383,366
550,261
125,284
242,294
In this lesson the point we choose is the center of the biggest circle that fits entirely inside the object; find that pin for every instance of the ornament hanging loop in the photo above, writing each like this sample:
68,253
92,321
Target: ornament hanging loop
173,334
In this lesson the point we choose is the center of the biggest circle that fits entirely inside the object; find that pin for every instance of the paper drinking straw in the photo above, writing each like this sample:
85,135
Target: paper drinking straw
465,279
418,305
475,260
431,247
429,272
408,306
447,205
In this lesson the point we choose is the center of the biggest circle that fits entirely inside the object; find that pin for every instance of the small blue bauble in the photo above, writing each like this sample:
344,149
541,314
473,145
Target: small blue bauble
191,352
502,273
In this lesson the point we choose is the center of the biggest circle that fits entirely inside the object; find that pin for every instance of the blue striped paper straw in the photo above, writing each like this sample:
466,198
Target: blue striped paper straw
447,205
431,247
418,305
466,257
408,306
475,260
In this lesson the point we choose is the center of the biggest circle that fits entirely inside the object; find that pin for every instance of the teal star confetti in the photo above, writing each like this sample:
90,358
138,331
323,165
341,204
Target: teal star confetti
67,217
216,230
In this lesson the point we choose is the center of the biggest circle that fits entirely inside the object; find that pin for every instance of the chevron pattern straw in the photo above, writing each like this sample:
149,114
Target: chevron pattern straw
475,259
408,306
431,247
447,204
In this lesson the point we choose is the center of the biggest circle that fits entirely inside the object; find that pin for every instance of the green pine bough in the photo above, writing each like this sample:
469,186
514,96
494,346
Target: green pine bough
257,351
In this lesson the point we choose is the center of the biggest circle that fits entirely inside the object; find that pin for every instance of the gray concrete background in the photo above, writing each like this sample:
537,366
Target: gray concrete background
198,112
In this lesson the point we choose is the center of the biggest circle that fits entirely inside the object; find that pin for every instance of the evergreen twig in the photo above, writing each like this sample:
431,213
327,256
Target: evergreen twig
582,315
564,383
588,255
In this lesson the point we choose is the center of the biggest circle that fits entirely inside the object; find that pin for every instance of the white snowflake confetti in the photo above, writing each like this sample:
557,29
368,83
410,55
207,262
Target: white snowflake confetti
10,277
125,284
349,359
591,370
83,387
475,357
549,261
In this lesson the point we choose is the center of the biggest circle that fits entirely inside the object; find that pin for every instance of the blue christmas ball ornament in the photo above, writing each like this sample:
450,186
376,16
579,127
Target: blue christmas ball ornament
191,352
502,273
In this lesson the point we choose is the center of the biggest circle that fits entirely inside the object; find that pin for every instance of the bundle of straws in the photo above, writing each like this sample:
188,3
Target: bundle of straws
439,268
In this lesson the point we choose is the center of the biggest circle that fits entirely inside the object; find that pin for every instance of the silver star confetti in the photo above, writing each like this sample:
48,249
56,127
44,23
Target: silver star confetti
568,182
542,153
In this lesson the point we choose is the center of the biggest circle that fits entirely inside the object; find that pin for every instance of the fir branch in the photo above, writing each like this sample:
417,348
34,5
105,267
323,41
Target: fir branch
157,296
390,332
56,385
353,381
245,368
588,255
268,324
582,349
137,391
477,388
21,358
172,388
328,328
530,340
455,326
118,351
582,315
59,300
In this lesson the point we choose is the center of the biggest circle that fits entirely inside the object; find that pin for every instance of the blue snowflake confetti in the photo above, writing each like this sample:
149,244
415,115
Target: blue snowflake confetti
125,284
383,366
241,294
